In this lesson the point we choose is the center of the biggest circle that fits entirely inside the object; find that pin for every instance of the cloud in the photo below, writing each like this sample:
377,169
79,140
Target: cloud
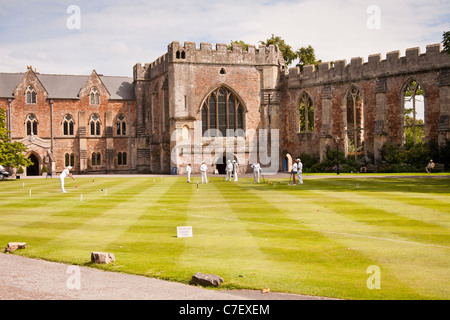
114,35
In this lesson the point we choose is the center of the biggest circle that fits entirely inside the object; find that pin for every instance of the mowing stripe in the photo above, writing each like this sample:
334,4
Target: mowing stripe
323,231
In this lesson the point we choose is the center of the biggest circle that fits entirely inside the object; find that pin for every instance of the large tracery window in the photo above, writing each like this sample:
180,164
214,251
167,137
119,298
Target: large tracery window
222,110
306,108
355,121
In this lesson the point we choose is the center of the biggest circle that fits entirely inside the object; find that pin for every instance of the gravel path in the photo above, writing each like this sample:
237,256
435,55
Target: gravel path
30,279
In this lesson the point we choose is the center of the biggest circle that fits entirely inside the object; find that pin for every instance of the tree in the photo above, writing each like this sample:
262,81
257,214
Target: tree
307,56
244,45
11,153
288,54
446,41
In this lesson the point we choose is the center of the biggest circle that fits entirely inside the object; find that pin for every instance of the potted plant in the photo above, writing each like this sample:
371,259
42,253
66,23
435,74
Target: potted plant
19,172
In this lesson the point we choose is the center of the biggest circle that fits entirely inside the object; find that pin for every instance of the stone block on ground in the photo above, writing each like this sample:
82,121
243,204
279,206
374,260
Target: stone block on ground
206,279
13,246
102,257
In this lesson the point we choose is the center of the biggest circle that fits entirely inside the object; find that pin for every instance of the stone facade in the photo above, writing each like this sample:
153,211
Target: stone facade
170,106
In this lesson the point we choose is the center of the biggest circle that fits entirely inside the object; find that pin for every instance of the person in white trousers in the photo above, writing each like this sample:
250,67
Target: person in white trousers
63,175
256,172
235,169
299,171
229,170
203,169
188,172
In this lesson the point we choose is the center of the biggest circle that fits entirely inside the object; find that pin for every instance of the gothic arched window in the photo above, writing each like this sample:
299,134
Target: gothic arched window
94,96
222,110
32,125
31,95
121,125
68,125
94,124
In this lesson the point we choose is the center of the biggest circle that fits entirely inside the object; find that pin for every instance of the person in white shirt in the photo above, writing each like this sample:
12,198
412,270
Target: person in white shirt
188,172
64,175
299,171
256,172
294,172
229,170
235,168
203,169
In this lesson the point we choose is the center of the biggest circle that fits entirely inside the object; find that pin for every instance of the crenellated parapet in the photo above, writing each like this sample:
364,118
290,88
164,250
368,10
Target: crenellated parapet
375,67
220,54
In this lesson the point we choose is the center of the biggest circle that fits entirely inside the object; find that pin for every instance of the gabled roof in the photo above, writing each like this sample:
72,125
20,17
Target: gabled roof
68,86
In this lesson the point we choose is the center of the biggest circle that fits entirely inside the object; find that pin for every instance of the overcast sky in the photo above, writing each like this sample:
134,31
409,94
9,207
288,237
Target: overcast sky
112,36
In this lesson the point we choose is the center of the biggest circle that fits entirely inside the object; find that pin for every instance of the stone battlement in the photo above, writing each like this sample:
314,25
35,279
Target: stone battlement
413,61
207,54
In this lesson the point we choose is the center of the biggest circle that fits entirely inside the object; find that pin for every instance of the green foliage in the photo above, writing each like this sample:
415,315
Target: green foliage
20,170
244,45
446,41
307,56
44,169
11,153
288,54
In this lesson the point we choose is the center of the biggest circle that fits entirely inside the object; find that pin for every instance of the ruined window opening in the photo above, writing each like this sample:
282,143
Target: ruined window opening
31,95
222,110
306,109
32,125
183,55
355,122
94,97
222,71
414,114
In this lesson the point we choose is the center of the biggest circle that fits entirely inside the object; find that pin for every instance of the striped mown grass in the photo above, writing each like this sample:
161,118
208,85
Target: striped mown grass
319,238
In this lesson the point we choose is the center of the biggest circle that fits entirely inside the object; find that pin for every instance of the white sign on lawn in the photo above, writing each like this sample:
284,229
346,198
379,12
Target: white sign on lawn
183,232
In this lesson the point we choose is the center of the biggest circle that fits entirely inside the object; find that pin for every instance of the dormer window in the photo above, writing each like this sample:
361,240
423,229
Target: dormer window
31,95
94,97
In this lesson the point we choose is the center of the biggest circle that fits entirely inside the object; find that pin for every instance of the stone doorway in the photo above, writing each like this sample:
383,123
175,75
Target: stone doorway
33,170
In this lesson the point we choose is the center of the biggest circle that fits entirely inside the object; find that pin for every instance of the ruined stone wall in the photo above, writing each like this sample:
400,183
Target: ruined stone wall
381,84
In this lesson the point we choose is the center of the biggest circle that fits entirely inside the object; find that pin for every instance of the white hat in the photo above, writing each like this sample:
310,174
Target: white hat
203,161
69,167
297,159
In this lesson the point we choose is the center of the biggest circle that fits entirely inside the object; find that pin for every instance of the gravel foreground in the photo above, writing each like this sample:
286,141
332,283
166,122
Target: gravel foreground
31,279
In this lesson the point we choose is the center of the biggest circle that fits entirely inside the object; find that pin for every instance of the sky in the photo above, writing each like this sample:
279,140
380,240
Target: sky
76,37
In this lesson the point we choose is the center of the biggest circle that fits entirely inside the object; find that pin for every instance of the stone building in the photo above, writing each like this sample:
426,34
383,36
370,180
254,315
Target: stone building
212,104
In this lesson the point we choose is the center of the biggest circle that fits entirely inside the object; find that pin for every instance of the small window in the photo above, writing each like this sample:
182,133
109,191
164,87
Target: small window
222,71
31,95
69,159
122,158
94,97
96,159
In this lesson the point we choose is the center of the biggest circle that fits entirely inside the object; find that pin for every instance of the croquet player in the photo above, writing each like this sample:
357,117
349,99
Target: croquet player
235,168
229,170
63,175
294,172
299,171
203,169
188,172
256,172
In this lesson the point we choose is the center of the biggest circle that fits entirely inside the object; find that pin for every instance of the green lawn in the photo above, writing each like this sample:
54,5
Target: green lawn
316,239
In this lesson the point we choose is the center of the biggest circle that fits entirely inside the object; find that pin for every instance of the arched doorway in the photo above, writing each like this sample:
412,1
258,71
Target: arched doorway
287,163
33,170
221,164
